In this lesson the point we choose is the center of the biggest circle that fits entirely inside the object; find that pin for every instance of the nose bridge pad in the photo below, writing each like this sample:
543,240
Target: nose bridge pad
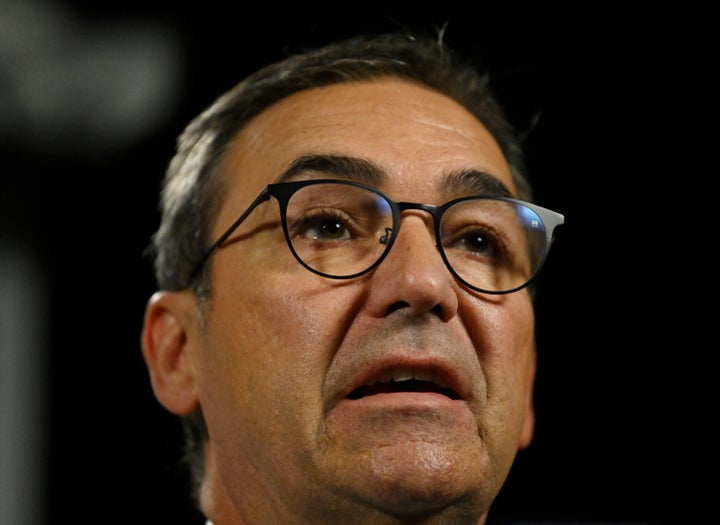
384,239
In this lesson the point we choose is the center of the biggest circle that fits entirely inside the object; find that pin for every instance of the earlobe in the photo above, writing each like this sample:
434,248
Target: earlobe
529,420
166,340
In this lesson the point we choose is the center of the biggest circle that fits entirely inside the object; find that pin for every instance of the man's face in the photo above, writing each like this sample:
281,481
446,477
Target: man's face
294,371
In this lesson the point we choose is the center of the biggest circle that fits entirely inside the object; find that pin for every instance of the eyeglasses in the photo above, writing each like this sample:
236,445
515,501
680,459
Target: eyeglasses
343,229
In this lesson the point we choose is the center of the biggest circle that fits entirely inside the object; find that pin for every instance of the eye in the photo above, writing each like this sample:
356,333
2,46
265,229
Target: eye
479,230
323,225
478,242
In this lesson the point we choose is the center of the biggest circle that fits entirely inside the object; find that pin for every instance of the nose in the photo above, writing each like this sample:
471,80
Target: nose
413,275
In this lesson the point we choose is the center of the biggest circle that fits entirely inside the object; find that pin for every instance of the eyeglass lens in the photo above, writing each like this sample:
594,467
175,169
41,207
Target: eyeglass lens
342,230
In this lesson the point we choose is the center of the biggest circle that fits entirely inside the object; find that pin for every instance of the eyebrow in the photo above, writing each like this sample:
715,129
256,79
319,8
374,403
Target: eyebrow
475,182
350,168
466,181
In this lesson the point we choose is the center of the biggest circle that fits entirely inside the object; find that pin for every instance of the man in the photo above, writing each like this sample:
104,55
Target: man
342,345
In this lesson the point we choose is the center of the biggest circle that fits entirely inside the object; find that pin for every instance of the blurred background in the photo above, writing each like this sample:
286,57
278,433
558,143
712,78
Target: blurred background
92,97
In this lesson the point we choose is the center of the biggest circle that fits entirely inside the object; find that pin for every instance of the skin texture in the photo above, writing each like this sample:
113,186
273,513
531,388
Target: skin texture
277,350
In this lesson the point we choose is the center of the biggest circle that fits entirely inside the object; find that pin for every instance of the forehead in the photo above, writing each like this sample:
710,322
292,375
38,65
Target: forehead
414,133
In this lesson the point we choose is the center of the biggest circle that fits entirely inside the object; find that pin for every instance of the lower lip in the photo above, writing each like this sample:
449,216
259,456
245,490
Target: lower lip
428,406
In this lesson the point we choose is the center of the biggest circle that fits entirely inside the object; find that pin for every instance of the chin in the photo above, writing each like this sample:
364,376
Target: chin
408,502
422,479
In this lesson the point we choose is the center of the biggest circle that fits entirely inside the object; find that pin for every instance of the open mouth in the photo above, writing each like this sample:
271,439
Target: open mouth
403,381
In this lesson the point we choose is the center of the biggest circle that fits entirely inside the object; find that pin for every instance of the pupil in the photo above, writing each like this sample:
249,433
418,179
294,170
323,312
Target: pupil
476,241
332,228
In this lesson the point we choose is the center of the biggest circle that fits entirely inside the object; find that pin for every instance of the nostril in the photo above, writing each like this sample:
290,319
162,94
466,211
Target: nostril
437,310
394,307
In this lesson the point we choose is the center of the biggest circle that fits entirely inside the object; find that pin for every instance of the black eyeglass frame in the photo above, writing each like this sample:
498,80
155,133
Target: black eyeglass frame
283,191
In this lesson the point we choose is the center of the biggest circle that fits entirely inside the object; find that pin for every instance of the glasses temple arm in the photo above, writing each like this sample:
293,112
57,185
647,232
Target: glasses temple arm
264,195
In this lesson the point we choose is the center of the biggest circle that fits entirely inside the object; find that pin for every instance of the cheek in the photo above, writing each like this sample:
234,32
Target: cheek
265,344
264,362
504,333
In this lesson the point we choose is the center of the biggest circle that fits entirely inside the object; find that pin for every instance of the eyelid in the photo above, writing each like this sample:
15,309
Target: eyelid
314,216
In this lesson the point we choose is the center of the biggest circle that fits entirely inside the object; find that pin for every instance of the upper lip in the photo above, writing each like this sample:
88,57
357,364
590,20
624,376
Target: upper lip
437,369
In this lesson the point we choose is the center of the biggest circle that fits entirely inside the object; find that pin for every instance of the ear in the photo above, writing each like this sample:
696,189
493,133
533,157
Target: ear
529,421
169,330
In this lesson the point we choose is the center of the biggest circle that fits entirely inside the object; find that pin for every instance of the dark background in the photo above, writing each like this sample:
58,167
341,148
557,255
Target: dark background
624,147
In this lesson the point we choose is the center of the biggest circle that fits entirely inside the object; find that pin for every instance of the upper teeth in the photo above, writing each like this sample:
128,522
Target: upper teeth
405,374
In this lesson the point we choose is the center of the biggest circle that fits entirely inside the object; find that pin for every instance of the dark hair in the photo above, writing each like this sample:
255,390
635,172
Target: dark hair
191,187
